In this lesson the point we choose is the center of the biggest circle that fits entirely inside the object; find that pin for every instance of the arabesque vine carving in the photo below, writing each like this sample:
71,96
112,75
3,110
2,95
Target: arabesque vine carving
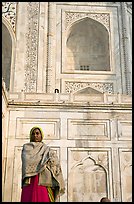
103,18
9,12
71,87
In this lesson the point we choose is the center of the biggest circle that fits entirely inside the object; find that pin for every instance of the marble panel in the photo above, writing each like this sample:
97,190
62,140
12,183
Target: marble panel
49,126
124,130
126,174
89,129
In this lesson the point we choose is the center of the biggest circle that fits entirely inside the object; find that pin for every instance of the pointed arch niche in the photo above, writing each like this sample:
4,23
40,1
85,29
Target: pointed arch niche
87,47
8,42
88,178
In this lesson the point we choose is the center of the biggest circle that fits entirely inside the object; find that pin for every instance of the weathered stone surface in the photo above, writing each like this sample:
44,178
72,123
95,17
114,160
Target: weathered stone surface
83,49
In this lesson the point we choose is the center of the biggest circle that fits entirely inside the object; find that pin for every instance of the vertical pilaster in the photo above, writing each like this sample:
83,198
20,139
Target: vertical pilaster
50,74
126,48
42,48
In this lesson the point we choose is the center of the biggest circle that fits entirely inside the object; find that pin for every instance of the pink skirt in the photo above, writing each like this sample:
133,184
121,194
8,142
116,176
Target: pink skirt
34,193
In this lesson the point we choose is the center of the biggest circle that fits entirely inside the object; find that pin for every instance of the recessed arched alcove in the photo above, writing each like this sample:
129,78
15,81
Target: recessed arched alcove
6,55
88,178
87,46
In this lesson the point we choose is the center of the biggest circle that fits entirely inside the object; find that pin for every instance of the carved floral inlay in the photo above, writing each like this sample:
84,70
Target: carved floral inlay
103,18
9,12
129,5
71,87
31,47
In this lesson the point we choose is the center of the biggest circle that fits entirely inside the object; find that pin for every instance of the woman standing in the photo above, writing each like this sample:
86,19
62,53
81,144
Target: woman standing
42,179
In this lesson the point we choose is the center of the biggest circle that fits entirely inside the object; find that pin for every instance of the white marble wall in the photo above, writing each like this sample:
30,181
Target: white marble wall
89,122
40,46
93,142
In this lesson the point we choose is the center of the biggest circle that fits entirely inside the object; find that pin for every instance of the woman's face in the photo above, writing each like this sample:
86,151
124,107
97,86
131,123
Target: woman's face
36,135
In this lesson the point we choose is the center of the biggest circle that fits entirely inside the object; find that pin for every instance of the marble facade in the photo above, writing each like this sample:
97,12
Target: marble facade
88,119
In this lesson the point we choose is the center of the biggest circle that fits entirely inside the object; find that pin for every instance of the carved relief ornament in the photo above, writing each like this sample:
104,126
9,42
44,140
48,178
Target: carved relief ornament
103,18
31,47
9,12
71,87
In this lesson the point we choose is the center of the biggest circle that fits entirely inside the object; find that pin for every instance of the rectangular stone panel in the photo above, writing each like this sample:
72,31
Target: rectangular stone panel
88,98
124,130
41,97
50,127
126,99
126,174
89,129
